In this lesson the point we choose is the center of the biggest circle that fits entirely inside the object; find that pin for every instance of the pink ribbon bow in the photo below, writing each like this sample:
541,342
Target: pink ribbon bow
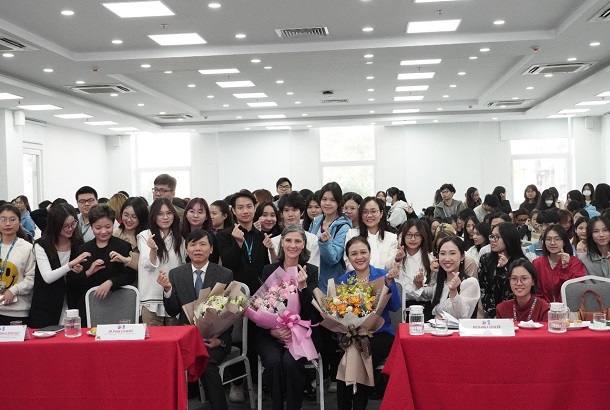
300,345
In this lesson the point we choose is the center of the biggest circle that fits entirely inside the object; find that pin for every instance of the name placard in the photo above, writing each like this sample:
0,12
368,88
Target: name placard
121,332
13,333
487,327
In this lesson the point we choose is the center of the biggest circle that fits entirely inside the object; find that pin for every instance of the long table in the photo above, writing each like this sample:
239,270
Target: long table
81,373
533,370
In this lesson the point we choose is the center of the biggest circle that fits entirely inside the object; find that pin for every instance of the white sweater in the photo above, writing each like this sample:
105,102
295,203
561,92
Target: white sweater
20,280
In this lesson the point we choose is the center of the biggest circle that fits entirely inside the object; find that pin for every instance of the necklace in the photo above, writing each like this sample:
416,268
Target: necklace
363,280
529,316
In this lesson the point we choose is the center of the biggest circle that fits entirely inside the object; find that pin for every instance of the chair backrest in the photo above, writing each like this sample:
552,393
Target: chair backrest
240,330
123,303
571,292
396,317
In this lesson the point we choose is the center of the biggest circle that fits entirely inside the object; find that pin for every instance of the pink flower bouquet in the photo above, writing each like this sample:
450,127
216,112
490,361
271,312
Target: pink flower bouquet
276,305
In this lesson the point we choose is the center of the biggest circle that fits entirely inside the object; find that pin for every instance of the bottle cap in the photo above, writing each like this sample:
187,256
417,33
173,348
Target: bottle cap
416,309
556,306
72,313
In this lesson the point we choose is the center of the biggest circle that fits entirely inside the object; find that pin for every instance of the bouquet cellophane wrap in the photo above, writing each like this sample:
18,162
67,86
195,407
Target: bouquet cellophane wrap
213,324
300,344
356,366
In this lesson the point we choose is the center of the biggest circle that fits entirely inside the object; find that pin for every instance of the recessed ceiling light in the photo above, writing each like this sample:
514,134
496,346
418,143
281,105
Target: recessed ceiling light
409,122
132,9
280,127
255,61
596,102
431,1
271,116
9,96
268,67
80,82
484,49
595,44
192,85
409,98
180,119
432,26
167,71
445,96
548,75
262,104
371,99
515,98
421,62
434,120
235,84
370,77
297,102
558,116
367,29
214,5
499,22
114,95
180,39
405,111
240,35
247,128
439,109
117,41
529,88
238,117
574,111
304,115
162,113
250,95
372,112
124,129
604,94
369,62
372,123
8,55
39,107
309,126
370,90
572,59
369,56
415,76
210,96
67,12
503,106
219,71
495,118
279,82
461,73
452,86
48,70
225,105
145,65
412,88
140,105
289,93
473,57
101,123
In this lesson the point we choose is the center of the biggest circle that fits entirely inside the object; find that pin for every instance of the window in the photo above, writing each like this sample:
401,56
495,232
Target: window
542,162
347,156
163,154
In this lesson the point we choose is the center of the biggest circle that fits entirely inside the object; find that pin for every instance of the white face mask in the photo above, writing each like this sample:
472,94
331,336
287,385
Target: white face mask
549,202
586,192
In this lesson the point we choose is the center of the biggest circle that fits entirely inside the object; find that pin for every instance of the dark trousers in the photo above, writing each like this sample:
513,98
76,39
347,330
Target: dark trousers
212,384
381,344
328,351
283,374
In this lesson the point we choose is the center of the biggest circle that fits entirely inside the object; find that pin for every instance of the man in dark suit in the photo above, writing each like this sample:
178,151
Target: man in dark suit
182,286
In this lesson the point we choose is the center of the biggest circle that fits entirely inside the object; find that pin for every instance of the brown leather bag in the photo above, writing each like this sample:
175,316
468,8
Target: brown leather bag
584,314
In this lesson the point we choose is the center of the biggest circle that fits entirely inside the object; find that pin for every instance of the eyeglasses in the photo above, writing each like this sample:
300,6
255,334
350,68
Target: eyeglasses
73,225
552,239
372,212
283,187
522,279
162,191
494,237
129,216
11,221
413,235
86,201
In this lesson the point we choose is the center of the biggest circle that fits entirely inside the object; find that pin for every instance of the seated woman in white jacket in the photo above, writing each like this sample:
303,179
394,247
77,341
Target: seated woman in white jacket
455,292
372,225
400,210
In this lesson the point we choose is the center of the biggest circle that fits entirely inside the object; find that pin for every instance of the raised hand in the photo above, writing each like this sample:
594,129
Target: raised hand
78,261
434,265
238,235
95,266
267,242
163,280
151,242
302,277
392,274
565,259
400,254
418,280
454,282
117,257
325,236
502,260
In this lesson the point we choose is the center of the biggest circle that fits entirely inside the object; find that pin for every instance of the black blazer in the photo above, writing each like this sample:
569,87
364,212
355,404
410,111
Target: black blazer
183,291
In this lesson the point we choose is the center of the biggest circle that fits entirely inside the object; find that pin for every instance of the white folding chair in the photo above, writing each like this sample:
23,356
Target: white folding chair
313,364
123,303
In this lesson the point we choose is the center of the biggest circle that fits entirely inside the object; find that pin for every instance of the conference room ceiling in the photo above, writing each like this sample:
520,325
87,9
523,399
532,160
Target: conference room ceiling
358,69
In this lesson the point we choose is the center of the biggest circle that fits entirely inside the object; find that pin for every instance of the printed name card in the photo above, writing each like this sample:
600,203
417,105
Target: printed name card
487,327
13,333
121,332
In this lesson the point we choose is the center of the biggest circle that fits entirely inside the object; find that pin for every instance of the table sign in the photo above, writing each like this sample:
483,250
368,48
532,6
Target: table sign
121,332
14,333
487,327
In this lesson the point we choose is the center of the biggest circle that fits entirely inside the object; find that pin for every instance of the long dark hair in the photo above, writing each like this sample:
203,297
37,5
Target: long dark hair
55,223
468,242
185,226
602,197
563,235
591,245
383,222
470,202
591,188
306,219
441,276
533,188
529,267
21,233
155,208
510,235
575,238
335,190
484,229
140,208
400,196
541,205
276,230
225,210
426,241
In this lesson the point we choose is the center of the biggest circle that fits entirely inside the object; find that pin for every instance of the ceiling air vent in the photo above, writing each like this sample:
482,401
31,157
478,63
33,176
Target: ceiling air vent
9,44
102,89
173,116
557,68
302,32
507,103
602,16
334,101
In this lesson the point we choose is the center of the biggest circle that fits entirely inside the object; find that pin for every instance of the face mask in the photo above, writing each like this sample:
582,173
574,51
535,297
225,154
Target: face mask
586,193
549,202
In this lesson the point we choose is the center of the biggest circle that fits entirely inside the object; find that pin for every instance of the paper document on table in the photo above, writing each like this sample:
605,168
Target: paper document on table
452,322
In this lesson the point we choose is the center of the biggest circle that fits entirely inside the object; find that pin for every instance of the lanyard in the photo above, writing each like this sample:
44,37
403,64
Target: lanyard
529,316
249,248
7,255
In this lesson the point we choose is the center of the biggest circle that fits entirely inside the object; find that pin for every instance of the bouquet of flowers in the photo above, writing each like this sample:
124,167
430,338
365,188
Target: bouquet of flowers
276,305
216,309
354,311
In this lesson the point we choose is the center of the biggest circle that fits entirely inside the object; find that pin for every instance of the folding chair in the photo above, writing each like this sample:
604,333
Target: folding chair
571,292
123,303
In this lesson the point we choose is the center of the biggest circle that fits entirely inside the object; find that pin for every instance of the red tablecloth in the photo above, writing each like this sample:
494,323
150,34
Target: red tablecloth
81,373
534,370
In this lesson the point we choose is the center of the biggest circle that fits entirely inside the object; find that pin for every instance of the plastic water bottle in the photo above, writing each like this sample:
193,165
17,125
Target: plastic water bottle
72,323
558,316
416,320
